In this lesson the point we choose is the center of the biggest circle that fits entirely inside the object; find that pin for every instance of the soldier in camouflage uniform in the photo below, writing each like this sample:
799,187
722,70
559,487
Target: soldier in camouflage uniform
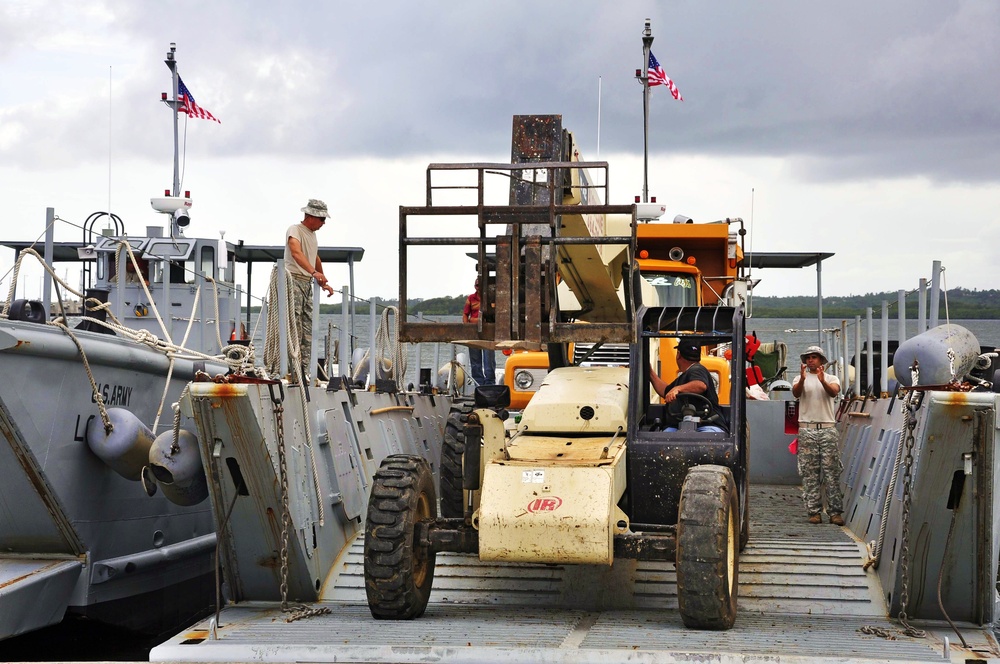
303,264
819,441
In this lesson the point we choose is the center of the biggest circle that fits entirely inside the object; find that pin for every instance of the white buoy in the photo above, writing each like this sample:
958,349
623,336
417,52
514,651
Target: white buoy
930,351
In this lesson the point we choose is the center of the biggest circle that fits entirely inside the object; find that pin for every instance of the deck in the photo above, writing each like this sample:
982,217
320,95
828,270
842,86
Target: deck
803,596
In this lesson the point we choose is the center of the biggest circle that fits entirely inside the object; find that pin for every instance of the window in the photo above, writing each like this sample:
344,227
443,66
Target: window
208,261
673,290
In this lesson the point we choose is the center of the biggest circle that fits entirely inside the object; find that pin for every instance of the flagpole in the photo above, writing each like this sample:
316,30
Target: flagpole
172,64
647,44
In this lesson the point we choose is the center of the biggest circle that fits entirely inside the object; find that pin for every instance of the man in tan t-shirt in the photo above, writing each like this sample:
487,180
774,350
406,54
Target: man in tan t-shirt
303,264
819,442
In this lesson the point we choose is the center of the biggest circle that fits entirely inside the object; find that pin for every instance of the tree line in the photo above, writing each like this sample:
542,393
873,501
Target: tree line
962,304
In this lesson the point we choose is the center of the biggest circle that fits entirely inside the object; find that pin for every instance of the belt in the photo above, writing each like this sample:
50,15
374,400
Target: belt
816,425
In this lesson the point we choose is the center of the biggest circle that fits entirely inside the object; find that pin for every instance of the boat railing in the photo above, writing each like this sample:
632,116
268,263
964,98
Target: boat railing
359,344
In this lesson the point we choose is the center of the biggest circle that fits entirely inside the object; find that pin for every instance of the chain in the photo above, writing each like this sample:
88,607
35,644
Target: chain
872,630
909,425
286,518
299,611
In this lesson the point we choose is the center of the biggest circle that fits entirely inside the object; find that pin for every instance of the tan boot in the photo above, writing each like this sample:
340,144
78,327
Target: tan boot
815,519
837,520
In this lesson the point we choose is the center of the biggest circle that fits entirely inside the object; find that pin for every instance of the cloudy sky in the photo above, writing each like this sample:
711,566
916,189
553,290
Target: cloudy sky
871,130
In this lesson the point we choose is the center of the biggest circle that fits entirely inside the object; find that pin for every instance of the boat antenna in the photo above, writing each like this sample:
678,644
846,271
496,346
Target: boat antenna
643,76
750,257
598,117
110,110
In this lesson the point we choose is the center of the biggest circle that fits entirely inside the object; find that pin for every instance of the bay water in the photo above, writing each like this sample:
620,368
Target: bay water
797,333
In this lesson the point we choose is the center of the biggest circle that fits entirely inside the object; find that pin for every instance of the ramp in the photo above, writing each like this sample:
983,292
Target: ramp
803,597
34,592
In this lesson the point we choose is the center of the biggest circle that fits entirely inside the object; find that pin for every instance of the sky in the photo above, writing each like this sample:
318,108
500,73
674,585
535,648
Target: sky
870,130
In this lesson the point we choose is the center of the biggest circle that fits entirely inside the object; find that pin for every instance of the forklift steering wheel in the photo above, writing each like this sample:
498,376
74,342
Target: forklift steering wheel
699,403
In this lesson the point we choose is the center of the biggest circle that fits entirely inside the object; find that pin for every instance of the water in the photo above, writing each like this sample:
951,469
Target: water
797,333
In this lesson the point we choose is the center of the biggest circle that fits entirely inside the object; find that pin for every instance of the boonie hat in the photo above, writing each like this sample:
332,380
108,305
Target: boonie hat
689,349
316,208
814,350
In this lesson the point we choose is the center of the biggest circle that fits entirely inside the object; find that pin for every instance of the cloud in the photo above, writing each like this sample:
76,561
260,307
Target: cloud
851,118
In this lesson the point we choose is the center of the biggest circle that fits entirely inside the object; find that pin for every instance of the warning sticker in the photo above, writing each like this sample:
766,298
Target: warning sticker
534,476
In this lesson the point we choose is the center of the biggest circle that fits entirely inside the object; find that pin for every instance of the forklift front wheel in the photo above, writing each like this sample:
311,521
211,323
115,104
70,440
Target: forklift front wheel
398,571
708,528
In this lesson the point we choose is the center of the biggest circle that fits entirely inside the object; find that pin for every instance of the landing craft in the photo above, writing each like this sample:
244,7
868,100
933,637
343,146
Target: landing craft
103,510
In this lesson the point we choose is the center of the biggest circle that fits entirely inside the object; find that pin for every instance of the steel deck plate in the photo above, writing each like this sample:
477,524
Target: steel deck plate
803,596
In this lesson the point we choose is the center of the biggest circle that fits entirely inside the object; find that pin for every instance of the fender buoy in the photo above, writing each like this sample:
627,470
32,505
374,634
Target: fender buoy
178,470
930,351
126,449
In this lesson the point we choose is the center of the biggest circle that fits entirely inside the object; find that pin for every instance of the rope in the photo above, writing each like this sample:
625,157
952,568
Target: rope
272,360
98,399
388,349
168,348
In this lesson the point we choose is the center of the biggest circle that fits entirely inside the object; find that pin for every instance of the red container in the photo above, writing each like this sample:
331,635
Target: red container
791,417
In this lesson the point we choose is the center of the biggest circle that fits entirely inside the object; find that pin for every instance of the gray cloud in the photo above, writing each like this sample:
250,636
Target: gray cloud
846,90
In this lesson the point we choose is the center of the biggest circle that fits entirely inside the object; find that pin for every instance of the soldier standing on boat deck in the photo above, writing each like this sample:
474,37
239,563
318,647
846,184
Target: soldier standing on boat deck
303,264
483,360
819,443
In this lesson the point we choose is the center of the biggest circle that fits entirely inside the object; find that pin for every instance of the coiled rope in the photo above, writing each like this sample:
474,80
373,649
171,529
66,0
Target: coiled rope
392,358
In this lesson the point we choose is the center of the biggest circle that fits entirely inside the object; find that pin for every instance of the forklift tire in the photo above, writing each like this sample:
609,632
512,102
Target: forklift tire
452,455
708,530
398,571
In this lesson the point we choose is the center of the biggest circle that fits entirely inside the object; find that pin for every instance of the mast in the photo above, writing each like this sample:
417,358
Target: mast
643,76
171,63
172,204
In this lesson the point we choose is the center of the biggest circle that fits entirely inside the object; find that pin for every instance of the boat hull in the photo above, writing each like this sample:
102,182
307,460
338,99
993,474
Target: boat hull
59,502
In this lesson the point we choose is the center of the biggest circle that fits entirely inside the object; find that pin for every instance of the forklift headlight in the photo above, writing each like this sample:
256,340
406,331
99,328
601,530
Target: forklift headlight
523,379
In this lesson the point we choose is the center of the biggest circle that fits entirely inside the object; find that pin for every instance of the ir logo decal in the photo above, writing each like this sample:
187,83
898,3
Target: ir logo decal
550,504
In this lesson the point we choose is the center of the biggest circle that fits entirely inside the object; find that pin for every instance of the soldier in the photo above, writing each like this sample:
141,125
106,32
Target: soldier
819,441
483,360
692,377
303,263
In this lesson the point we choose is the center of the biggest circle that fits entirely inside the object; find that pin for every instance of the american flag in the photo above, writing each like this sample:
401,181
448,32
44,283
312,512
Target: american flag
189,106
657,76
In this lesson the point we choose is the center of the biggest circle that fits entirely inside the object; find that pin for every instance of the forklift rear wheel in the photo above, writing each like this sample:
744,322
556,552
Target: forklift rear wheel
452,455
398,571
708,528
